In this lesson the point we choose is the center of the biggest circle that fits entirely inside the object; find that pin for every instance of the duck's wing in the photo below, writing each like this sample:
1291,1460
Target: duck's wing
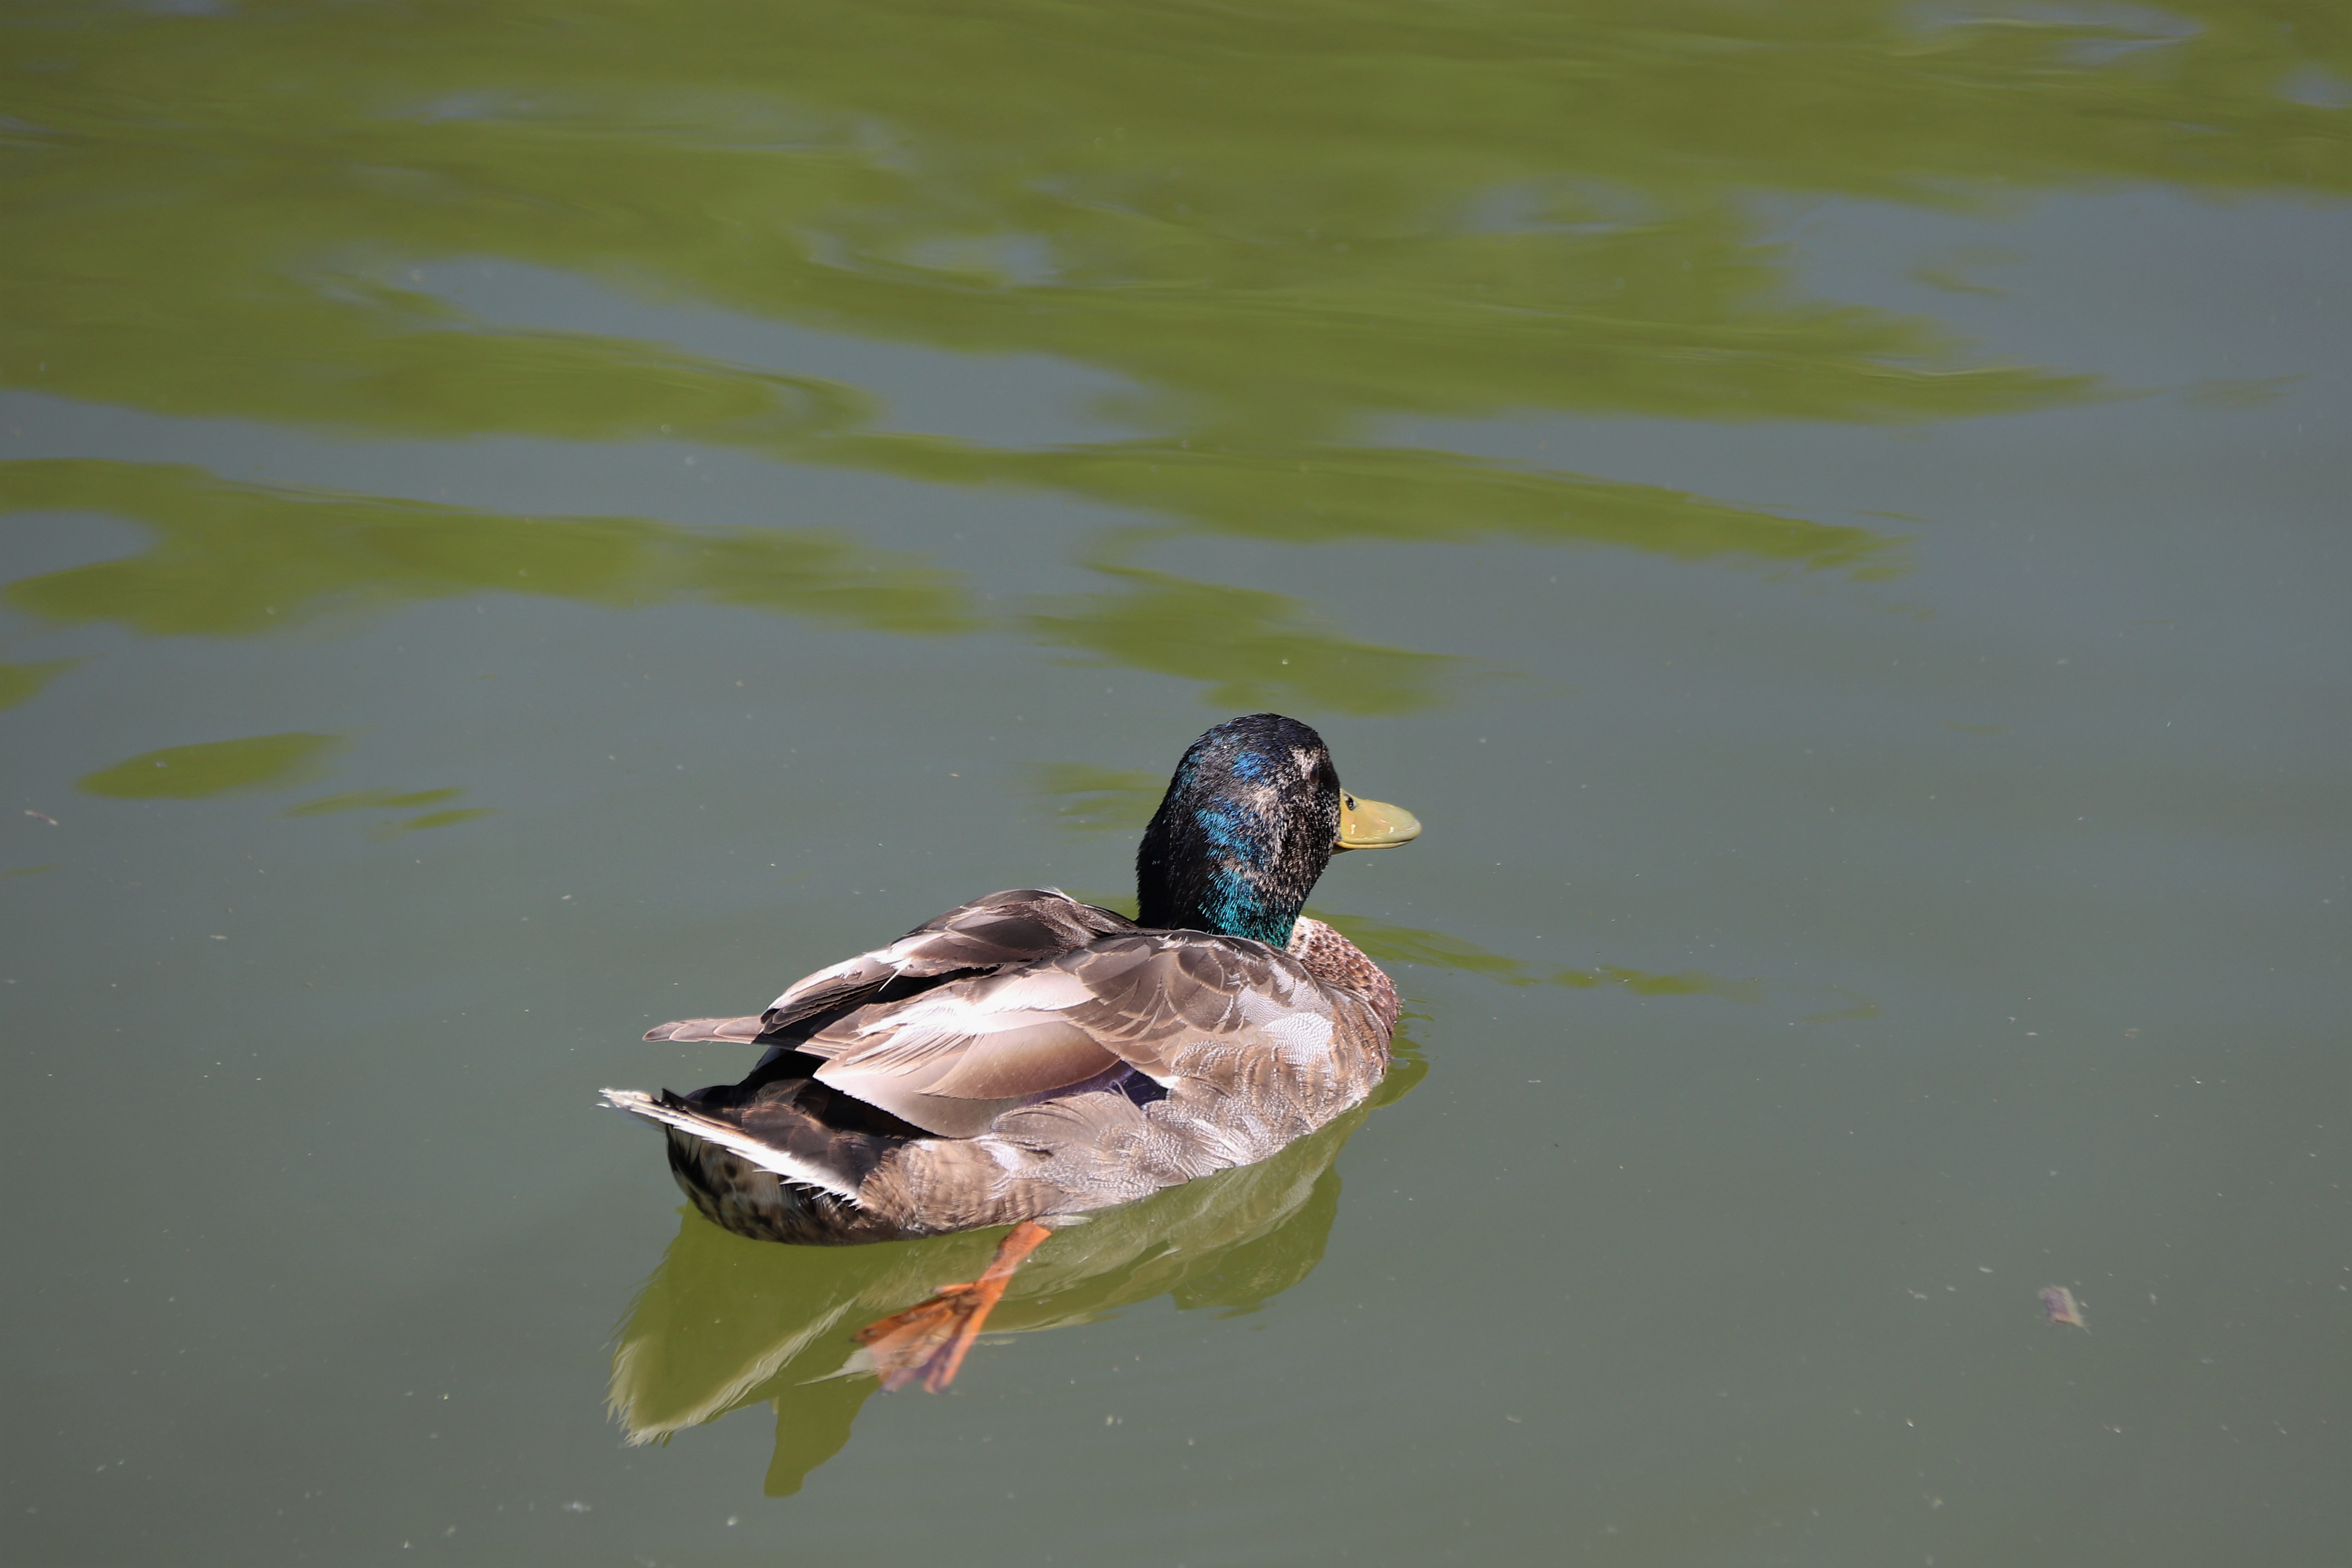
954,1059
1001,931
1019,926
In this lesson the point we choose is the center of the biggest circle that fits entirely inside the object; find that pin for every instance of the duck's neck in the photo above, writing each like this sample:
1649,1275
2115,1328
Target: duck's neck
1228,904
1216,867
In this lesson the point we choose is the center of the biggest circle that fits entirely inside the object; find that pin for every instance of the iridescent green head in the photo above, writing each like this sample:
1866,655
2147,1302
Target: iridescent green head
1253,813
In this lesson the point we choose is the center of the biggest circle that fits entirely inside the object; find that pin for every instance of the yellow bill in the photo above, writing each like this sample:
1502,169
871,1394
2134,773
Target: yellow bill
1374,824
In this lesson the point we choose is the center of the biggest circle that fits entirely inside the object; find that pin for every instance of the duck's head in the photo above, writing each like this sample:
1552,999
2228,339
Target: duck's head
1251,818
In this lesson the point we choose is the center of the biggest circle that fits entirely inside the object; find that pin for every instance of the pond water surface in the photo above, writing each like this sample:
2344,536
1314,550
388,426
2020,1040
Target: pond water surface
525,521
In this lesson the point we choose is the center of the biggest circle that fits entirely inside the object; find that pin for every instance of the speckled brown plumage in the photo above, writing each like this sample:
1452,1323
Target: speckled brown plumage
1206,1052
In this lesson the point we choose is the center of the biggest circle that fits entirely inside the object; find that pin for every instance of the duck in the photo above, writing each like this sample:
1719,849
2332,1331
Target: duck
1027,1059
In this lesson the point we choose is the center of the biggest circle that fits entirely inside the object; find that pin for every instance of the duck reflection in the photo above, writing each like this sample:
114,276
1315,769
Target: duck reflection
725,1322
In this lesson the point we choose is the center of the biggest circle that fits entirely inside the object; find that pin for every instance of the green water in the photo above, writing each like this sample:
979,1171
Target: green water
522,522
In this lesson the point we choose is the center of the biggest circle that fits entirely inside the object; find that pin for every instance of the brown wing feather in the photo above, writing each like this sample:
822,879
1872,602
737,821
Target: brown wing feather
955,1091
1157,996
1048,1055
1141,1000
1018,926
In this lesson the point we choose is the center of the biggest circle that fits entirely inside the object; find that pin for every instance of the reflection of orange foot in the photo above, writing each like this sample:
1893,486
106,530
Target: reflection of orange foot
928,1339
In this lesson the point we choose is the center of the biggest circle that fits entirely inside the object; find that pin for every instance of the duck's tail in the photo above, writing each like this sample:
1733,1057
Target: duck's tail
777,1137
738,1031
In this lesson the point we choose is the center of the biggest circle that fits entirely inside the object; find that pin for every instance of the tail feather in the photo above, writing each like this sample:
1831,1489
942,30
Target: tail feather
736,1031
792,1144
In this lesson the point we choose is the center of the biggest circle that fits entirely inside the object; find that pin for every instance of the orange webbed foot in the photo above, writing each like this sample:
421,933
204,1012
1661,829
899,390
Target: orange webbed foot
930,1338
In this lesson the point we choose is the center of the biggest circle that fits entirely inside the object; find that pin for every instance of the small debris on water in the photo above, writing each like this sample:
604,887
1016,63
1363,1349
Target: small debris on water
44,816
2058,1304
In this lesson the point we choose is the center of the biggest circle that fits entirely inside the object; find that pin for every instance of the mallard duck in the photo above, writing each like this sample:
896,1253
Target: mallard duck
1026,1057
